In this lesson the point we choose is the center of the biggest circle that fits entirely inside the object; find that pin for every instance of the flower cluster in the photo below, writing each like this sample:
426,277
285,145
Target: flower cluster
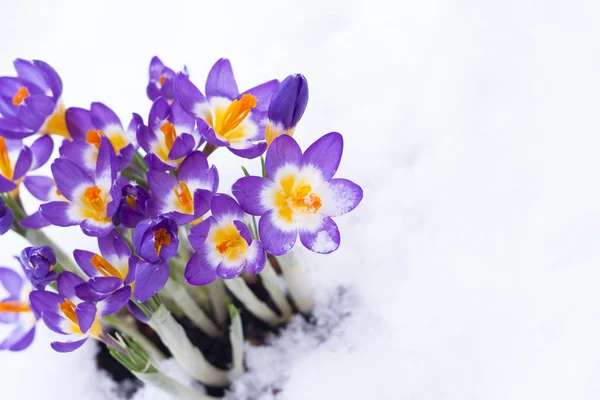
150,197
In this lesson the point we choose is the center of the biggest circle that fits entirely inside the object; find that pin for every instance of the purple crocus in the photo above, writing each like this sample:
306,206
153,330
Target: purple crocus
30,103
7,217
38,265
65,313
169,136
162,80
42,188
133,208
91,200
223,244
300,195
16,160
156,241
88,127
16,311
185,198
109,271
225,117
287,107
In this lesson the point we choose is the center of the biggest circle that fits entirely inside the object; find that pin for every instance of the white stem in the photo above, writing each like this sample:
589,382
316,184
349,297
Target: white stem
270,281
218,301
298,282
131,331
187,304
38,238
236,337
171,386
187,355
238,287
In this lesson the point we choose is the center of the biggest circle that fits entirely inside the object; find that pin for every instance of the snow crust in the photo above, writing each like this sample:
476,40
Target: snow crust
471,268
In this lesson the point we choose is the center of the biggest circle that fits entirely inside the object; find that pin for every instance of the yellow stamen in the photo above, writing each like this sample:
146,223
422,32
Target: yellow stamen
104,267
162,80
6,168
168,129
14,306
94,138
95,204
184,198
235,114
56,123
68,309
161,238
131,201
296,199
229,242
273,132
21,95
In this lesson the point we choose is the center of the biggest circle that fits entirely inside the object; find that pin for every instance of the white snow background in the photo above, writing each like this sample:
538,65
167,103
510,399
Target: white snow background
471,268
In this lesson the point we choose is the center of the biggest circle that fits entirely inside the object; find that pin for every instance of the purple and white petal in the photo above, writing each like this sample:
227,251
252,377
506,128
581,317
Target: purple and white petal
33,221
115,301
23,163
59,213
86,314
66,284
67,347
199,233
325,240
339,197
149,279
41,150
256,258
221,82
263,94
200,270
224,208
273,239
252,151
188,95
283,151
41,187
69,177
250,193
79,123
325,154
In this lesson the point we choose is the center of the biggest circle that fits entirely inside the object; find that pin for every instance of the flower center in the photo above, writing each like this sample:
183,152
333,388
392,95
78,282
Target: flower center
184,198
94,138
131,201
5,165
68,309
161,238
229,243
226,122
162,80
95,204
21,95
296,199
105,268
14,306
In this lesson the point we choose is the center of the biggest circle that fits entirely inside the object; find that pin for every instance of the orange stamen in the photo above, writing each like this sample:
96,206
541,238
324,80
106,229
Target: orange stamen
21,94
68,309
131,201
235,114
6,168
186,201
104,267
229,242
162,80
168,129
14,306
95,204
161,238
299,199
94,138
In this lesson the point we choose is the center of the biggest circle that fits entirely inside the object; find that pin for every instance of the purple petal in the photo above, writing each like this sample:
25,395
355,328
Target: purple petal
23,163
115,301
69,176
289,101
79,123
105,165
149,279
89,228
244,231
145,137
86,314
57,213
194,167
249,193
66,284
202,200
220,81
256,263
41,150
263,94
283,151
199,271
28,71
324,240
33,221
105,284
255,150
80,153
12,281
229,271
102,116
199,233
52,78
43,302
136,312
6,185
114,245
40,187
86,293
156,163
180,118
23,341
161,183
6,219
325,154
342,196
210,135
182,146
224,207
67,347
274,240
188,94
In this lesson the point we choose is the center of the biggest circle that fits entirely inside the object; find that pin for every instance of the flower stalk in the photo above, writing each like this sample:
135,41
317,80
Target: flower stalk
242,292
298,282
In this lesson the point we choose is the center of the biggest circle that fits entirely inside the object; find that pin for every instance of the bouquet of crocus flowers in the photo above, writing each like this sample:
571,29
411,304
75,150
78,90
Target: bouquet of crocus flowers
171,240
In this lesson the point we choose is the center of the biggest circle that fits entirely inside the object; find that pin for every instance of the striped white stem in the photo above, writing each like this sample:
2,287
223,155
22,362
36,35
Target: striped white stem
171,386
270,281
297,280
242,292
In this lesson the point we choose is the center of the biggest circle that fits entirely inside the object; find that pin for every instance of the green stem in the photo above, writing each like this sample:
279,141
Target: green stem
130,330
132,176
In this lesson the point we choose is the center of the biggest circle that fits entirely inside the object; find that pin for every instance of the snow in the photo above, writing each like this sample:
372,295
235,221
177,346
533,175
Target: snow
470,270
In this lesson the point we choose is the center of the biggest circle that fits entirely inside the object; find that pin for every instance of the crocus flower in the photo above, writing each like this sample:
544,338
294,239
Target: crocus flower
16,160
226,117
169,136
16,311
300,195
38,265
91,200
156,241
187,197
42,188
109,271
287,107
30,103
133,208
162,79
67,314
88,127
223,245
7,217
